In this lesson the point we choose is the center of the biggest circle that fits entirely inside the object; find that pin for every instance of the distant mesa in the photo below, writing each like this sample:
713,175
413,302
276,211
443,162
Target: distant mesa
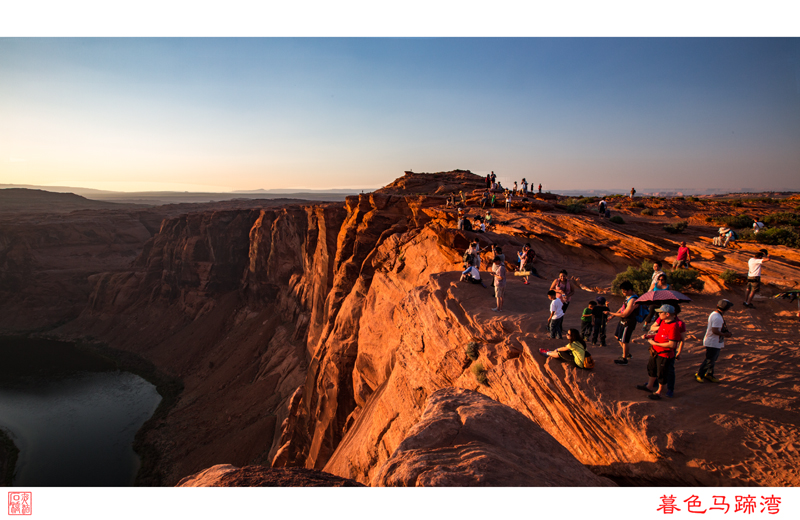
23,200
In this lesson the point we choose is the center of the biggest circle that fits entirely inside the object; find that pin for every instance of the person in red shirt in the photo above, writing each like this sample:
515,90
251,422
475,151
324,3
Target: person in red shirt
683,258
662,351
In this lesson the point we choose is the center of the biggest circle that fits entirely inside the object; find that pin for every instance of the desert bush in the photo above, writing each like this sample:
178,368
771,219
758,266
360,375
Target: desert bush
616,219
735,203
710,219
472,350
684,279
575,208
480,373
779,236
785,218
647,212
690,199
731,277
617,206
677,227
637,204
641,277
736,221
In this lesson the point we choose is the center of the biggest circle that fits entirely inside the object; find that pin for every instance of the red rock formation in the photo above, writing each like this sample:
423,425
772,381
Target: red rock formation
225,475
314,336
466,439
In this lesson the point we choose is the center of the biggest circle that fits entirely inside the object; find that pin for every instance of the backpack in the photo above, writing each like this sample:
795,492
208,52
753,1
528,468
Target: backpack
642,313
468,258
467,225
734,236
588,362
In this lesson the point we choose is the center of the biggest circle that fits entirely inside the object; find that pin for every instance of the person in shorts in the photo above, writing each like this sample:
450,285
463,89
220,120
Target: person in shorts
754,276
683,259
627,321
499,272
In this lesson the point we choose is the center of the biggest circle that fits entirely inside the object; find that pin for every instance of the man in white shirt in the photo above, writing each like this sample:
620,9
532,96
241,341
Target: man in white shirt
714,340
472,275
757,225
754,276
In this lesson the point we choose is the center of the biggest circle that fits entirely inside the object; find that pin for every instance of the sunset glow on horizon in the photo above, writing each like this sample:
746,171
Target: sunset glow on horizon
272,113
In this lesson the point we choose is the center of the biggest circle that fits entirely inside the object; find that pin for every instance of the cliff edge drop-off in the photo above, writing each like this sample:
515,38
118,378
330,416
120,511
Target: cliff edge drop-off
332,337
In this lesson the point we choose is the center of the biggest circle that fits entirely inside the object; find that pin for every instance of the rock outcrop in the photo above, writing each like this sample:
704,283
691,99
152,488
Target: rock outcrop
225,475
466,439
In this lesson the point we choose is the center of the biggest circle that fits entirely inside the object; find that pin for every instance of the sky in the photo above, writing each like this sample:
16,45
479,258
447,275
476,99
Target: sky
222,114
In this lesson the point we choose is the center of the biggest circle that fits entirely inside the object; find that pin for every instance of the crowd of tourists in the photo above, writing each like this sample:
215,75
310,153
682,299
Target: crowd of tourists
662,328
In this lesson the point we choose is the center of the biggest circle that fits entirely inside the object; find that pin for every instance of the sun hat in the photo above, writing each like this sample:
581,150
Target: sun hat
666,308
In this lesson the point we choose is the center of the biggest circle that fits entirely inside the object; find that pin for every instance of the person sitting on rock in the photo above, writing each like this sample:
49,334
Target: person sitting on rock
471,275
478,226
488,217
574,352
684,258
485,199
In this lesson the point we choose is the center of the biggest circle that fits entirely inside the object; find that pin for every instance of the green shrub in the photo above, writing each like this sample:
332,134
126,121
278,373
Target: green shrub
472,350
637,204
784,218
780,236
575,208
692,199
676,228
617,206
480,373
684,279
736,203
616,219
736,221
641,278
710,219
731,277
647,212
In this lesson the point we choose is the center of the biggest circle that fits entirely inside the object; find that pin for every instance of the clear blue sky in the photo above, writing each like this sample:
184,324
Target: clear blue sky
235,114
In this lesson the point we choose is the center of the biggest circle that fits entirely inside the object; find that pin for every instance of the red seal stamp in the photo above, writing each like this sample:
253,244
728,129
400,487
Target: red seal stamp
20,503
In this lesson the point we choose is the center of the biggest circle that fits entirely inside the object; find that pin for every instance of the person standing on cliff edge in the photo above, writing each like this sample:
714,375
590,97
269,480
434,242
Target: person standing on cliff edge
499,271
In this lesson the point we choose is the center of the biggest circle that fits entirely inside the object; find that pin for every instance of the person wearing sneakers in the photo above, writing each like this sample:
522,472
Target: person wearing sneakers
754,276
586,319
662,351
713,341
627,321
574,352
499,271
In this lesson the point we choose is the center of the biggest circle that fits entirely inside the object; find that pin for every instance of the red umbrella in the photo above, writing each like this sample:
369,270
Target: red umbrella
662,296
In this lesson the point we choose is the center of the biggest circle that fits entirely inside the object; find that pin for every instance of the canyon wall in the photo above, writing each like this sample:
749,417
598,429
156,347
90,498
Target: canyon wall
314,336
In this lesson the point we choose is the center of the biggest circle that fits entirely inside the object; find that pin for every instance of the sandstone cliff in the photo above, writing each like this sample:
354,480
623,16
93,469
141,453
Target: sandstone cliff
315,335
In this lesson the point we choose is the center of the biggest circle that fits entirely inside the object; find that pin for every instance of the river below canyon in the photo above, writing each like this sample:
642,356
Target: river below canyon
71,413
